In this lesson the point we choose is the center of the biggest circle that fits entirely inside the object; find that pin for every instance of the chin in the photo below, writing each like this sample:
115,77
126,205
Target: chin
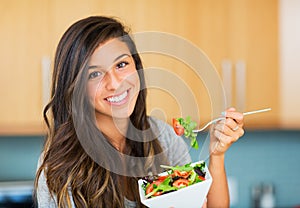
121,114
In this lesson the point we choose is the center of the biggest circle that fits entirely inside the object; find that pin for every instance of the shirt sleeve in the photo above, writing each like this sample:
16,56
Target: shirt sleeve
174,147
43,195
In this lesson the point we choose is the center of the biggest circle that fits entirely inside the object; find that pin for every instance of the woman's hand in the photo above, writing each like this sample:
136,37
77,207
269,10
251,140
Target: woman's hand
226,132
222,135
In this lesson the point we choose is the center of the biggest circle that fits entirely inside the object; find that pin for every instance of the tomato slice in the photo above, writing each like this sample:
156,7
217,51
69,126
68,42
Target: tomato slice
201,178
150,188
179,130
162,178
182,174
181,183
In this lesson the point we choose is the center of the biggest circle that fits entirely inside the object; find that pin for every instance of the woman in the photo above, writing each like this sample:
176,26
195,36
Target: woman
100,139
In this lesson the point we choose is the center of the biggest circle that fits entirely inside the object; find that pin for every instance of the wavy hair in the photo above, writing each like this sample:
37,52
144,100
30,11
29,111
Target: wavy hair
69,170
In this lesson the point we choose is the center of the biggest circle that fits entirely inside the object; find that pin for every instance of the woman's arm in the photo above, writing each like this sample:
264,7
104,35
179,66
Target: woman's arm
223,134
218,195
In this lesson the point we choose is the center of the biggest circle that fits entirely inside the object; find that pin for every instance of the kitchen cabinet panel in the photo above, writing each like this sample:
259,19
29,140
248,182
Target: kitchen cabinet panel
289,18
224,29
23,40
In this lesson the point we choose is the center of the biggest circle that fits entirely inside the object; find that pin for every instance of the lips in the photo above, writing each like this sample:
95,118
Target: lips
117,99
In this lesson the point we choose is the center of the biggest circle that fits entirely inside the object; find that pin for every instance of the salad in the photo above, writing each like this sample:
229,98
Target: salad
185,127
176,178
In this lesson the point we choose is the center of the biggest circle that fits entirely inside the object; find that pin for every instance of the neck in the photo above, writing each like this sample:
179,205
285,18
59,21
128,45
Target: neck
115,130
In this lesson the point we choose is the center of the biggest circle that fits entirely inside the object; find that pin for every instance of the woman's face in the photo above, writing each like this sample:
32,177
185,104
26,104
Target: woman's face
113,81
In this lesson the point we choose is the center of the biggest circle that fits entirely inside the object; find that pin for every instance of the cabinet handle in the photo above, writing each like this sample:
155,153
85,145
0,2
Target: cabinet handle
240,72
227,80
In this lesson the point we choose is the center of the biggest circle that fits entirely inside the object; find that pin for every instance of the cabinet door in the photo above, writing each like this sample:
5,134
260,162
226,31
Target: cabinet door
254,39
247,31
23,40
30,30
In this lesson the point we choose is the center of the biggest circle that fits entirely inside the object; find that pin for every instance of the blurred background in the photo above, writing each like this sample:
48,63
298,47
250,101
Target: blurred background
254,46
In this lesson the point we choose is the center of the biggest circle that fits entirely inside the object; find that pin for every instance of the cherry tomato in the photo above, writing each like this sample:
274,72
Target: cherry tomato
179,130
201,178
181,183
150,188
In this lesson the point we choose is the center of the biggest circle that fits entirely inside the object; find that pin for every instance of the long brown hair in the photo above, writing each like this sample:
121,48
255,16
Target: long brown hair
67,166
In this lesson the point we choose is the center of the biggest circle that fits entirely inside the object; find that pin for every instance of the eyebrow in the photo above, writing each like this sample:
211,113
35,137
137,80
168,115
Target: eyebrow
116,59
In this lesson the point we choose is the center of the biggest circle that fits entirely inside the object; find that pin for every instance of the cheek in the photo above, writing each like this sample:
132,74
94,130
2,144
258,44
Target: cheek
133,79
136,79
92,91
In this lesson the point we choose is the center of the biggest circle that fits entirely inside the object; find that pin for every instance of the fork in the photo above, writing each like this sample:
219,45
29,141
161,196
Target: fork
222,118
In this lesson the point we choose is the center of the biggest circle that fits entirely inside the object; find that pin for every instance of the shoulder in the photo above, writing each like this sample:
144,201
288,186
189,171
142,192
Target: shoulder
43,195
174,146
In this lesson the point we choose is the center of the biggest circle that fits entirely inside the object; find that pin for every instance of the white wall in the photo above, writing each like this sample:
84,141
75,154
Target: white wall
289,31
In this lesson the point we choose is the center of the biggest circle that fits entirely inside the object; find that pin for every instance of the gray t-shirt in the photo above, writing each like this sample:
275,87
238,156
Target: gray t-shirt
174,148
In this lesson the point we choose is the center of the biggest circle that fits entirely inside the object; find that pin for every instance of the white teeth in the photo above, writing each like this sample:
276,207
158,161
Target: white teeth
117,99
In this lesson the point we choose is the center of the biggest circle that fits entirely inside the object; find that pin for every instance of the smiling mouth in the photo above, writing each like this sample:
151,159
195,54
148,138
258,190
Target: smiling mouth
117,99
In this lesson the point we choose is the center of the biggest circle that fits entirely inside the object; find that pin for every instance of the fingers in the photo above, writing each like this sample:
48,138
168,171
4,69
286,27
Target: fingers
226,135
230,126
236,116
229,130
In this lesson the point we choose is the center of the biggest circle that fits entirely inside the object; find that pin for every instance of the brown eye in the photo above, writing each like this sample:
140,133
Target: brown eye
122,64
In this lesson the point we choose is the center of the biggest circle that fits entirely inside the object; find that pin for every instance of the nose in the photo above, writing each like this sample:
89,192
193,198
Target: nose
112,80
